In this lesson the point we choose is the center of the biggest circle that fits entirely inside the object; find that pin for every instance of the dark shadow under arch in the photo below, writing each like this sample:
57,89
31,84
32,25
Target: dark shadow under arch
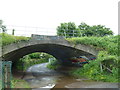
60,52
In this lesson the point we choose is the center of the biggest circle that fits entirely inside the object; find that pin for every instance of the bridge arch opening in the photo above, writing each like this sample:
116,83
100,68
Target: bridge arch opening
32,59
21,67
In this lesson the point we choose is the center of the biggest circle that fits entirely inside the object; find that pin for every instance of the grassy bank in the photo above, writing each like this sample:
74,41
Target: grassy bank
8,39
105,67
19,83
54,64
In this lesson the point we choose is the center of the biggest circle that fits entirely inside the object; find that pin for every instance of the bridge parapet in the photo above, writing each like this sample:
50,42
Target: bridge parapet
45,37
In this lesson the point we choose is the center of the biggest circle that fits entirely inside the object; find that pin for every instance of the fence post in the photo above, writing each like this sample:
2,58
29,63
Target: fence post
73,33
13,32
65,33
101,67
5,74
1,86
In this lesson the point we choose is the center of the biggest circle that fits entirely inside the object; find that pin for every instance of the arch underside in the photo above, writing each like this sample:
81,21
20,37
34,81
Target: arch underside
60,52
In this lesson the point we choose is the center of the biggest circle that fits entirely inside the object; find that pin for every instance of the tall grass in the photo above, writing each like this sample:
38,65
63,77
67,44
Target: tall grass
8,39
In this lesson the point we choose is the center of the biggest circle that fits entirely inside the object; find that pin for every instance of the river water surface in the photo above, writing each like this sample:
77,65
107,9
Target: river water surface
39,76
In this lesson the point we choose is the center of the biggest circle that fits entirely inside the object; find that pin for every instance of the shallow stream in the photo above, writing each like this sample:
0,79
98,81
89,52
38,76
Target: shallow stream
39,76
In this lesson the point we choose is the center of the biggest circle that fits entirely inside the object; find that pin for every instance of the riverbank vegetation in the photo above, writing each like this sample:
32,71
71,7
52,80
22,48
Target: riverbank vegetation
19,83
54,64
105,67
32,59
37,58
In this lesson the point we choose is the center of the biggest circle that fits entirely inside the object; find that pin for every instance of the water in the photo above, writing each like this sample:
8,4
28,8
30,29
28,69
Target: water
39,76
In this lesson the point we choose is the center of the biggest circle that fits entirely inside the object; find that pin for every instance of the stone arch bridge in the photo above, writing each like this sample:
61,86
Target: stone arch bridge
57,46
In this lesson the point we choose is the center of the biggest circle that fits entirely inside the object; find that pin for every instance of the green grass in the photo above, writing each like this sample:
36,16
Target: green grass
109,44
53,65
8,39
108,56
19,83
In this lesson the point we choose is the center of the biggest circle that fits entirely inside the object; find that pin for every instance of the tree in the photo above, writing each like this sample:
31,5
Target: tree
3,27
67,29
101,30
1,23
95,30
85,29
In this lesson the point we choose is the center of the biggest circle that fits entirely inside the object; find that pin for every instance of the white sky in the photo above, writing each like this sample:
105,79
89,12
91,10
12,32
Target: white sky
50,13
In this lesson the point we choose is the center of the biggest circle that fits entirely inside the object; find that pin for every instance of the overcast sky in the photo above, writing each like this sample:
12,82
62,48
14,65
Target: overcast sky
50,13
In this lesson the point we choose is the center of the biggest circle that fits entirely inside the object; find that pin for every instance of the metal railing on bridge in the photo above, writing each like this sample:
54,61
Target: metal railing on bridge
28,31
